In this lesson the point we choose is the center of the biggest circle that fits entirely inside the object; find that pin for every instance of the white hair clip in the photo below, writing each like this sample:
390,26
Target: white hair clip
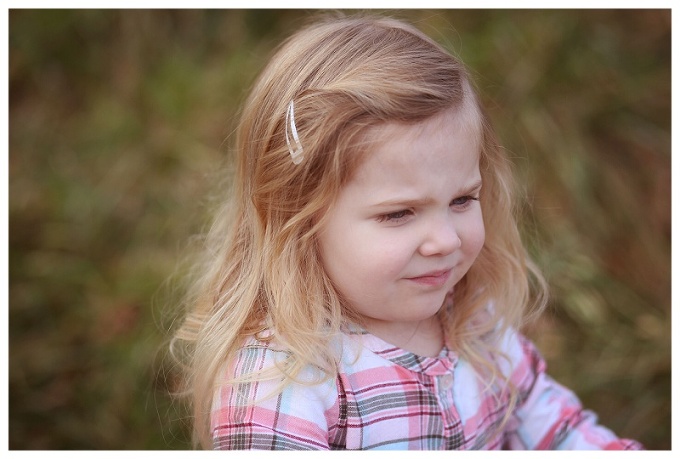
295,153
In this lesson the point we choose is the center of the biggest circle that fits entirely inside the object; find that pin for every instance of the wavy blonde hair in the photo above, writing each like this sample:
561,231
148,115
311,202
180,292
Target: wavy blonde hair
346,75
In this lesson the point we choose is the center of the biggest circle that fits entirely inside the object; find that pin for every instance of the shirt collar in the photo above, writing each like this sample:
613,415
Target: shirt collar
432,366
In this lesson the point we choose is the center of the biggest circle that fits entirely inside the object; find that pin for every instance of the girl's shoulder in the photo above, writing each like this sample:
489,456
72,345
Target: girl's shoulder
518,355
258,402
266,356
263,368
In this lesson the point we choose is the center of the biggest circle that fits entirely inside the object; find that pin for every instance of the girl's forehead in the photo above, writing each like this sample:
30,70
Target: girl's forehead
465,120
449,141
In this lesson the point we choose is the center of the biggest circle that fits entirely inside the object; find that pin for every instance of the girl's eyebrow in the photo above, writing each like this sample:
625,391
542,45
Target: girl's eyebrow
418,202
471,189
398,202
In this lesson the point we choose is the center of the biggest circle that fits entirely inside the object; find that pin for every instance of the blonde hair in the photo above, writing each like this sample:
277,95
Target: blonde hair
262,268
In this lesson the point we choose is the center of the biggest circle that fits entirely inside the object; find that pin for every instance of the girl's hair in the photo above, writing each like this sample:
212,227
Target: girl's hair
262,268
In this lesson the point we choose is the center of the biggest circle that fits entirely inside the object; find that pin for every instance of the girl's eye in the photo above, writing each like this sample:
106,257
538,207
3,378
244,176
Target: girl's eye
463,202
394,217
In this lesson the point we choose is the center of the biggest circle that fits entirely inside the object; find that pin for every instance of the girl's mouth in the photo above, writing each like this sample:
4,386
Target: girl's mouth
432,278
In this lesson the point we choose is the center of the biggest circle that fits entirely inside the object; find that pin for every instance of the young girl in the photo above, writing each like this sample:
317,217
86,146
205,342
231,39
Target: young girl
367,287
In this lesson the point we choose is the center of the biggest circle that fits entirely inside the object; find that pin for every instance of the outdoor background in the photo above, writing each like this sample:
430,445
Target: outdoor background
120,120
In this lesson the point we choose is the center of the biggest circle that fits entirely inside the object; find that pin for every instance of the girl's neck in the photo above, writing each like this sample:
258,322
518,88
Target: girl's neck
424,338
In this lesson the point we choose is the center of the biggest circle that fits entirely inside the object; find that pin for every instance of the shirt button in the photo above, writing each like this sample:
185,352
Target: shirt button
446,382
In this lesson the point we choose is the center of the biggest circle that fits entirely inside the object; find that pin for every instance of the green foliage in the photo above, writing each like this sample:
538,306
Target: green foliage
119,121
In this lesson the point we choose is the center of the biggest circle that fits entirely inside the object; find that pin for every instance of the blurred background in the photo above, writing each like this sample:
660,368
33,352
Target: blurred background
119,122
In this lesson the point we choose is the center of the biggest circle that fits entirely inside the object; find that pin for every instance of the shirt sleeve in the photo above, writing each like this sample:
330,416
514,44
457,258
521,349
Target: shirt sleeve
548,415
262,415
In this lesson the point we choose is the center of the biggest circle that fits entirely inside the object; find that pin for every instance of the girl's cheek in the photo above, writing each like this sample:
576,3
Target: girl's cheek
476,234
396,256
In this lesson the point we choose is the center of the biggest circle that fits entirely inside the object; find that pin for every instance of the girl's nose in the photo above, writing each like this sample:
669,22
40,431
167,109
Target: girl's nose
441,238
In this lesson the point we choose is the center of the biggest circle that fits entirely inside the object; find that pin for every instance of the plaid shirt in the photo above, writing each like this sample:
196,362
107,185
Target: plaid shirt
389,398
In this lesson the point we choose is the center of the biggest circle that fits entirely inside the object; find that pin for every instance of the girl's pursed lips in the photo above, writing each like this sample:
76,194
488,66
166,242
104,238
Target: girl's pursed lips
434,278
433,273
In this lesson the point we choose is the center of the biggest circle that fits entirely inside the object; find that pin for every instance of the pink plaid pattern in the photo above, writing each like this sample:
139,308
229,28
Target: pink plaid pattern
386,398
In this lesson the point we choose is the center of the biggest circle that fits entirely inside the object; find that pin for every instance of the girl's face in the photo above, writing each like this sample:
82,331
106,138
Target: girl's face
408,225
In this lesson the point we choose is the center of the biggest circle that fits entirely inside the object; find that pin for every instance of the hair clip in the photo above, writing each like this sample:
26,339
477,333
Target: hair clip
295,153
